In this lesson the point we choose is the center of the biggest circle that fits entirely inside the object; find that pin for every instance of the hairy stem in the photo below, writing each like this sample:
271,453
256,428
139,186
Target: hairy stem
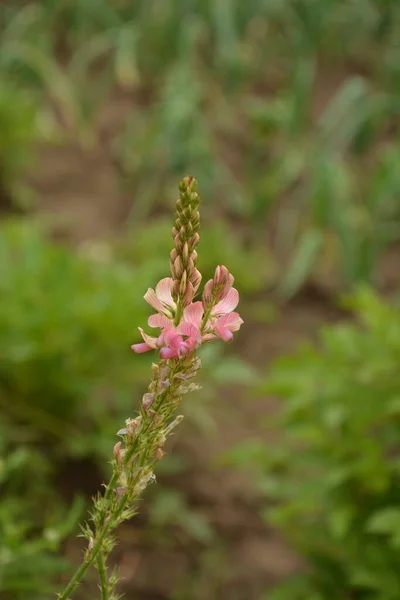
101,566
75,580
135,467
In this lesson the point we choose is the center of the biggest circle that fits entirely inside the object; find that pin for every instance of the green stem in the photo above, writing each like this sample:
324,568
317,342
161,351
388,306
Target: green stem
101,565
75,580
179,312
80,572
110,516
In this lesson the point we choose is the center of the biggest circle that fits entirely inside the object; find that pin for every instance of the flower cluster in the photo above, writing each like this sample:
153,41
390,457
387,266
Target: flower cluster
201,321
186,324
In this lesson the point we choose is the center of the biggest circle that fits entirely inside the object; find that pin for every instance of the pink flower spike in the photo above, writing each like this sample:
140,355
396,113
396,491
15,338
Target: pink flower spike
193,314
140,348
167,353
227,304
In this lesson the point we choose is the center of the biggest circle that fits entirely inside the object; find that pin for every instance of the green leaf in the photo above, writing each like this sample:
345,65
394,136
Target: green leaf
304,259
385,521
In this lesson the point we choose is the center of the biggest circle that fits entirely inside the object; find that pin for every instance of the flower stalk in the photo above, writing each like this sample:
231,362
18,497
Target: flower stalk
185,325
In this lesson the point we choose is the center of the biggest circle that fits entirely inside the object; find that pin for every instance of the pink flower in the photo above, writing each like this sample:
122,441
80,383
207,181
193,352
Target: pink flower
175,344
161,299
225,325
150,343
172,342
228,303
194,328
222,321
218,287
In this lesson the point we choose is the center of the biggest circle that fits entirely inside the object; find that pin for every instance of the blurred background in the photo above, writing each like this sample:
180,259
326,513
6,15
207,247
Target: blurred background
283,482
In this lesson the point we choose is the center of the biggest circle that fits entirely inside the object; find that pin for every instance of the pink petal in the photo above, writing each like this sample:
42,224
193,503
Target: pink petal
224,333
151,298
227,304
150,341
160,321
140,348
207,292
163,292
189,330
231,321
190,344
173,339
167,353
194,314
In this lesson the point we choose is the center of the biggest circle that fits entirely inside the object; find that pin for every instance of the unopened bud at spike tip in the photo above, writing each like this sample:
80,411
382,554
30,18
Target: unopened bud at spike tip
186,237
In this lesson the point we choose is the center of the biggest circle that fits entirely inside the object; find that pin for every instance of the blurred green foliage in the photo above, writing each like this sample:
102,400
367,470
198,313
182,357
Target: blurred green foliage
286,111
63,318
34,521
333,479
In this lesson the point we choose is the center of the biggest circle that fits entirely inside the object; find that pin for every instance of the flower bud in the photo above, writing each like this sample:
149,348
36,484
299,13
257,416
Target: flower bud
207,296
147,400
196,280
222,281
185,253
195,239
188,294
178,267
182,285
160,453
185,233
174,423
117,452
133,424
